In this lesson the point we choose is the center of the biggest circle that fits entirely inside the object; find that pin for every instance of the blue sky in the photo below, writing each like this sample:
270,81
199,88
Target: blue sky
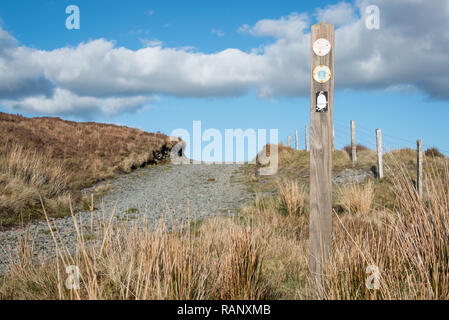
410,103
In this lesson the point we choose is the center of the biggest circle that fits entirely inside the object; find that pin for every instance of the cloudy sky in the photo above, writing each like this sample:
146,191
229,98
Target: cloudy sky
159,65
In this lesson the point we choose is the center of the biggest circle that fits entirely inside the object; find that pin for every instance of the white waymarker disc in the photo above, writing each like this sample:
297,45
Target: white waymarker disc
321,74
321,47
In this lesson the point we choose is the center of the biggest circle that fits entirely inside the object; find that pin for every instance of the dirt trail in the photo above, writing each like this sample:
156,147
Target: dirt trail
154,192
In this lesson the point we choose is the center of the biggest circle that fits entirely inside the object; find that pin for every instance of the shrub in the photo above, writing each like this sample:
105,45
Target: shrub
434,152
359,148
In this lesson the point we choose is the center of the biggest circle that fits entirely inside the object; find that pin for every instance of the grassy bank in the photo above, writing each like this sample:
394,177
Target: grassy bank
53,159
262,253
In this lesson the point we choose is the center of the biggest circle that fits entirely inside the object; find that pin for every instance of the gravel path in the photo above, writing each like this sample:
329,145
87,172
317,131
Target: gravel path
153,192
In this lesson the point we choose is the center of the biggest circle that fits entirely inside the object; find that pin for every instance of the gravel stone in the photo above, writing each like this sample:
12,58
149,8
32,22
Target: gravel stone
152,193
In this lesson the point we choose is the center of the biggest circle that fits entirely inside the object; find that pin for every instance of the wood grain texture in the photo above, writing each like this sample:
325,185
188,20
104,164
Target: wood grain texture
420,167
380,166
321,128
333,138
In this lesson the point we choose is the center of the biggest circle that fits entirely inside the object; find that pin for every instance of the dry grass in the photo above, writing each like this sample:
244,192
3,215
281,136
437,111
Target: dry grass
292,197
263,252
285,246
25,177
143,263
403,236
409,246
54,158
356,198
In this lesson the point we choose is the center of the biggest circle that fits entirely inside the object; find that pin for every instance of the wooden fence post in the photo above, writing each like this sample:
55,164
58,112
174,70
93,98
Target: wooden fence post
289,141
353,143
307,138
296,140
333,140
380,168
420,167
321,144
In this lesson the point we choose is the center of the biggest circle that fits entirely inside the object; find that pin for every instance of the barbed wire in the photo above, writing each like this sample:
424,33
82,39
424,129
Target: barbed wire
367,137
387,138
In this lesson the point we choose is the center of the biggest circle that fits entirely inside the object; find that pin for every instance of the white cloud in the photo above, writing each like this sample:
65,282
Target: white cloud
64,102
19,73
98,68
151,43
217,32
101,77
291,27
338,14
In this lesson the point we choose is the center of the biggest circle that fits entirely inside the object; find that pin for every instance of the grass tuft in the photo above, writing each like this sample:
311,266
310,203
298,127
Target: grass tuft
292,198
356,198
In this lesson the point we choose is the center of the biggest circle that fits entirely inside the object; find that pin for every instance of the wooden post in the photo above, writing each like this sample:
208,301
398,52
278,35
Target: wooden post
380,168
420,166
333,139
289,141
321,142
296,140
353,143
307,138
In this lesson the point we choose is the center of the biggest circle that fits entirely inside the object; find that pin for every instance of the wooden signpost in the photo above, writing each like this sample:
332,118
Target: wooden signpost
321,142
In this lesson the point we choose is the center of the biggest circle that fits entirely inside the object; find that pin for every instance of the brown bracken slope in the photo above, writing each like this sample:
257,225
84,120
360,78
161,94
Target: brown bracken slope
53,159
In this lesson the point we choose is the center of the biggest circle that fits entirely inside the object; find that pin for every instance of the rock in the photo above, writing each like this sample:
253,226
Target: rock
348,176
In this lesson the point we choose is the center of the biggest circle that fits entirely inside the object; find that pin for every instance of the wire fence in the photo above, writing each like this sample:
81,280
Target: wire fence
364,136
390,142
367,137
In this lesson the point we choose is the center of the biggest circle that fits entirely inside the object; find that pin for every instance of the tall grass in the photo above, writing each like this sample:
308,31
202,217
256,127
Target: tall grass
356,198
263,253
409,246
292,197
26,176
145,263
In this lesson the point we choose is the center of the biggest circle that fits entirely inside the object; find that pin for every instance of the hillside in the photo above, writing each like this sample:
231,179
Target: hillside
54,159
376,222
262,251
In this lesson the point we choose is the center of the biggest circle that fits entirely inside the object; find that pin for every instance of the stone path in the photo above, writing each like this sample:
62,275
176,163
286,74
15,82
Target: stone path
154,192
